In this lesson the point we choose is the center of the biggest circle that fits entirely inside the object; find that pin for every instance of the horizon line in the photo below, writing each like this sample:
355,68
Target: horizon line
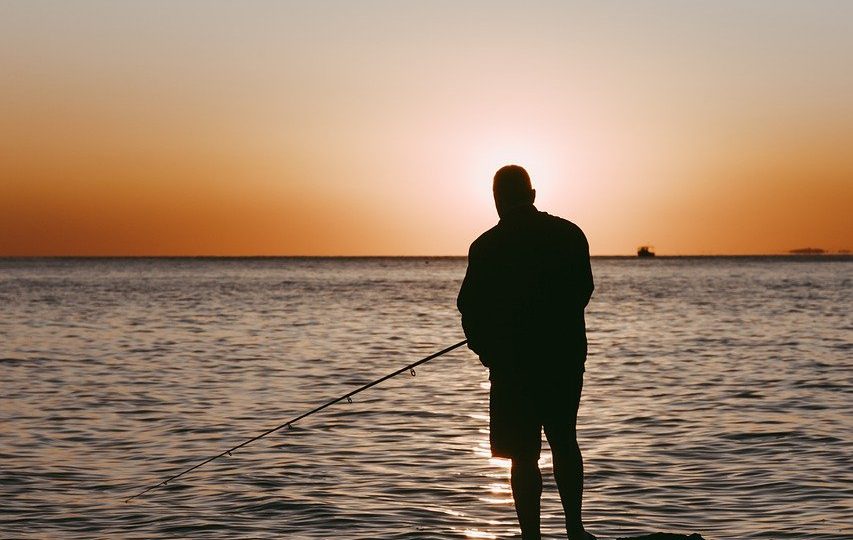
298,256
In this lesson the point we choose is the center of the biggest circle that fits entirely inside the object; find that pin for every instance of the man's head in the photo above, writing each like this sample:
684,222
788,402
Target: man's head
512,189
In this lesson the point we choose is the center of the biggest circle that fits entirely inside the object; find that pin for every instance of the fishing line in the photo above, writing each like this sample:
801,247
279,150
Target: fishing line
348,396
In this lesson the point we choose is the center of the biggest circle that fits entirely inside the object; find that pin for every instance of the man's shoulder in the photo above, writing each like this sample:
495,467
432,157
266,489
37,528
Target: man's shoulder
562,225
495,238
485,240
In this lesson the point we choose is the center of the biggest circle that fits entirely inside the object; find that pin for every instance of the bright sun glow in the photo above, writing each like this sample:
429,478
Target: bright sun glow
536,156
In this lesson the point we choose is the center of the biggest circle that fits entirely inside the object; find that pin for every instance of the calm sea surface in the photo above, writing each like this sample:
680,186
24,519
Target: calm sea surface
718,399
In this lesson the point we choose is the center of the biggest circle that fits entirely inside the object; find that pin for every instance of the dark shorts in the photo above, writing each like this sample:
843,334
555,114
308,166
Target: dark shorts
519,411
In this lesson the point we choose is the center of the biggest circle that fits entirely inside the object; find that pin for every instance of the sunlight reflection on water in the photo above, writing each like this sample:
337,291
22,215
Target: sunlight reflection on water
471,533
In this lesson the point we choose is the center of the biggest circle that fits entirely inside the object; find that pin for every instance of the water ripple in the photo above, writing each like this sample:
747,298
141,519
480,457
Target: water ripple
716,400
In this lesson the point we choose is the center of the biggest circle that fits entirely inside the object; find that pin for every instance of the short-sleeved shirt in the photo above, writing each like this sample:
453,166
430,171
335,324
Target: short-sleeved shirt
523,297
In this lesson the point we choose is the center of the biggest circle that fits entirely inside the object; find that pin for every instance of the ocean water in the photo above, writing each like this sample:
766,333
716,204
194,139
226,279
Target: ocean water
718,399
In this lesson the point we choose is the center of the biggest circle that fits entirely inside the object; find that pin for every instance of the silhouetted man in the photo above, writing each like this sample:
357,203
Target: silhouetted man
522,305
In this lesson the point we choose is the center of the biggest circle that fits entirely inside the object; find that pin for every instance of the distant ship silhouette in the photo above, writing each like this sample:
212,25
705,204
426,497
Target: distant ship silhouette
645,251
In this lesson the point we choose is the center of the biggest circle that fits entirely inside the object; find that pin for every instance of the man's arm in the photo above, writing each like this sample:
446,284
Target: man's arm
584,278
469,303
576,283
483,319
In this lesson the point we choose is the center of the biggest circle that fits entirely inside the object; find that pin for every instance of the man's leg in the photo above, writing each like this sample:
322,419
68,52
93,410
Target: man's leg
527,491
568,473
515,432
568,463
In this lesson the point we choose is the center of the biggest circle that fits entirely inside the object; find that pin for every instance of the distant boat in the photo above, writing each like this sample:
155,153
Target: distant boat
645,251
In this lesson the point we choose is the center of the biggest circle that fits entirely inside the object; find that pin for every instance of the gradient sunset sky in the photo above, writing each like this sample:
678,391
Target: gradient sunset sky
374,128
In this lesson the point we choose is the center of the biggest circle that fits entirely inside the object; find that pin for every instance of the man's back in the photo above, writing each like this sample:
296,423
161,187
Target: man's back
524,294
522,304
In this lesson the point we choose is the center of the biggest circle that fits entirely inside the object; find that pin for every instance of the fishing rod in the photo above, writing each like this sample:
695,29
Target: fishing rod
348,396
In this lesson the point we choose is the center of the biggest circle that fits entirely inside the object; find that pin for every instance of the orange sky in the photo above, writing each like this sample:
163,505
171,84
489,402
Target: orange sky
373,128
